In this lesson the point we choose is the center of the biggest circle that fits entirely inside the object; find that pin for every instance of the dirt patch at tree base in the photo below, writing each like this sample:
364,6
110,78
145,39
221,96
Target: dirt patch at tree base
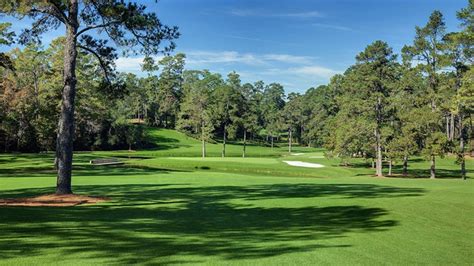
52,200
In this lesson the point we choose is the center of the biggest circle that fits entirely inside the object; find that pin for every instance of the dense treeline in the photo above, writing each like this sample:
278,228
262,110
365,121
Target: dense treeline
384,108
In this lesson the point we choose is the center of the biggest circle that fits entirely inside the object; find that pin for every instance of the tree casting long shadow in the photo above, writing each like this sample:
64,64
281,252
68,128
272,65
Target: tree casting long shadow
152,223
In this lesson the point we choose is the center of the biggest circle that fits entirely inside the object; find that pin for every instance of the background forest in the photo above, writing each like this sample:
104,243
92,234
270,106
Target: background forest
384,106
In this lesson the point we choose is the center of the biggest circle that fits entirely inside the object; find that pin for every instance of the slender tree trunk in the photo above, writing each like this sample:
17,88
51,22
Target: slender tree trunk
447,128
223,143
289,140
378,144
433,167
245,143
461,148
463,160
378,162
145,112
272,141
389,167
203,141
405,165
373,163
452,128
433,85
64,142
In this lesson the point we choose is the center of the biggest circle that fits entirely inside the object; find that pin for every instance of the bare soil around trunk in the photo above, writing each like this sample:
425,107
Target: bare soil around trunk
52,200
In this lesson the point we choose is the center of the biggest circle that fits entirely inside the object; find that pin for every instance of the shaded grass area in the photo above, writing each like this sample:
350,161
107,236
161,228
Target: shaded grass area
205,217
157,222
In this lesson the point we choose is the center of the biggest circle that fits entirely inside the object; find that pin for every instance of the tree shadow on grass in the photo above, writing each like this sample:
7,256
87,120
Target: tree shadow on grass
162,223
397,171
86,170
159,142
425,173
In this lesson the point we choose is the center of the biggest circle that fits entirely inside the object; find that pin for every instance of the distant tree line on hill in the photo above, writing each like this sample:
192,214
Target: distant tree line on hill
381,108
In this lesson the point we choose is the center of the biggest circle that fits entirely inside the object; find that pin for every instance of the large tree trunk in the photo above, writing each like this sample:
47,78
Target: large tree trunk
64,142
245,143
223,143
289,140
433,167
405,165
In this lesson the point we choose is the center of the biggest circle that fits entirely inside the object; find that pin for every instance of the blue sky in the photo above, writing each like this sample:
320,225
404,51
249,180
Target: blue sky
297,43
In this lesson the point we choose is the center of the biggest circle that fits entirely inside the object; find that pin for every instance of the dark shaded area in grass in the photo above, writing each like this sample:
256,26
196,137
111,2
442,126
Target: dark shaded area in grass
146,222
158,142
397,170
86,170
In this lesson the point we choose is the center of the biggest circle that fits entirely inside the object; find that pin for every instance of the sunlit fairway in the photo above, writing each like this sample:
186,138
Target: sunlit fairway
170,206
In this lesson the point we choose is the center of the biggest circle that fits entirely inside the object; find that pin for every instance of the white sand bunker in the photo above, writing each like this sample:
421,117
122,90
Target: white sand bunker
297,154
304,164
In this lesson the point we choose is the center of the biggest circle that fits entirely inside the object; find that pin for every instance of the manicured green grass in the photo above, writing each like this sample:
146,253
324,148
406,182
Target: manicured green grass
175,209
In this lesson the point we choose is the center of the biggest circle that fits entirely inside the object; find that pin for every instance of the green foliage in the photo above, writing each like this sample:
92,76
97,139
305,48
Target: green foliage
465,95
436,144
196,114
6,38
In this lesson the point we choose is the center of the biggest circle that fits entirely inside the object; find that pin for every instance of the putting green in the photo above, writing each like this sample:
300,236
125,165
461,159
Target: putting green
249,160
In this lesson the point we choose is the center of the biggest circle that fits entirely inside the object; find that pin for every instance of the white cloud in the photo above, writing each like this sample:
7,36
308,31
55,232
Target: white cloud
311,14
318,71
295,72
216,57
263,13
332,27
204,58
279,42
131,64
213,57
286,58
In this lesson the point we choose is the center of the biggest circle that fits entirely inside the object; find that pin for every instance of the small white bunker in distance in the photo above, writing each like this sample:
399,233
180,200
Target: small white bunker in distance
304,164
